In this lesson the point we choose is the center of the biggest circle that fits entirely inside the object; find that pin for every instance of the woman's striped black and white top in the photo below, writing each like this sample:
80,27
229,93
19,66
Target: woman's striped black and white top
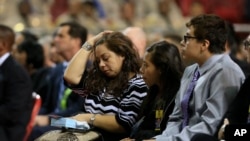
126,107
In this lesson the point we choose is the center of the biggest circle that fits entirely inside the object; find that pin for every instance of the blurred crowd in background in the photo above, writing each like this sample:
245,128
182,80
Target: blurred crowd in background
156,17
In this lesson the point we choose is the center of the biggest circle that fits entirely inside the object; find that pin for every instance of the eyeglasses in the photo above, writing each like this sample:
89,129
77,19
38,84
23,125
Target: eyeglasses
186,38
246,44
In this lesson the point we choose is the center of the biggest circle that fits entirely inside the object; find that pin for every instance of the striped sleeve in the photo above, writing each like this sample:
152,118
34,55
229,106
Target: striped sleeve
131,103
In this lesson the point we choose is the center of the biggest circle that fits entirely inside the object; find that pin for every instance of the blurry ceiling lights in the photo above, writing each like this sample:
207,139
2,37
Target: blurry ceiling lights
19,27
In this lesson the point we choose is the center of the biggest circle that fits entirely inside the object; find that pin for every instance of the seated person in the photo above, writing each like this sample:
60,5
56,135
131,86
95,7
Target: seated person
113,87
31,56
162,70
237,51
15,91
61,101
208,86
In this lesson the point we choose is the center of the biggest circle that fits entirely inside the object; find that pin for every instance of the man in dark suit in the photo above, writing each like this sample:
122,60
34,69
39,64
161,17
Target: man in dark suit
61,101
15,91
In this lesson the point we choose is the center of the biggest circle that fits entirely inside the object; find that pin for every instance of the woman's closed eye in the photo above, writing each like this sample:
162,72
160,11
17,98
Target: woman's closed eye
105,58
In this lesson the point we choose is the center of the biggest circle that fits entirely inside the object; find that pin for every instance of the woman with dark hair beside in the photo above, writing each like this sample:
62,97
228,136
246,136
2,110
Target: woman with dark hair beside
114,86
162,70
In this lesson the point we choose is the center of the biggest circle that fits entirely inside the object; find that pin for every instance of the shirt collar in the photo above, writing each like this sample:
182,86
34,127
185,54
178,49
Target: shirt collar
3,58
210,63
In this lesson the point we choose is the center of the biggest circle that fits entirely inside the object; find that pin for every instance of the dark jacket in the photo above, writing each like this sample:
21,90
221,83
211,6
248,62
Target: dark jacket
15,100
147,128
238,111
74,101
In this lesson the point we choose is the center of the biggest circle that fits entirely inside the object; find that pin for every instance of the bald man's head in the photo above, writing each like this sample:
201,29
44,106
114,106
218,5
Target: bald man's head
138,37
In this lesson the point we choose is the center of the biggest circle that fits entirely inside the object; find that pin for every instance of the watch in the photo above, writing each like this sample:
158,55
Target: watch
87,46
92,119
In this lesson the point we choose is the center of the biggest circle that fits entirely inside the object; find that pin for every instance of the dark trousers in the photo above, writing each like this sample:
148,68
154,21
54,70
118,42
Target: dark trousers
203,137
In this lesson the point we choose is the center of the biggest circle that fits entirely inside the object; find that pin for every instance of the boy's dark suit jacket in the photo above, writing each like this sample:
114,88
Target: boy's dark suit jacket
15,100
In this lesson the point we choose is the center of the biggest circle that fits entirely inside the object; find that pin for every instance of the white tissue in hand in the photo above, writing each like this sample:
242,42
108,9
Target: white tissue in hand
82,124
69,123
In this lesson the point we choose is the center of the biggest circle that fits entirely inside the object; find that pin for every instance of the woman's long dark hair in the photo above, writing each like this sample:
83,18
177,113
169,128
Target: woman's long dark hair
121,45
167,60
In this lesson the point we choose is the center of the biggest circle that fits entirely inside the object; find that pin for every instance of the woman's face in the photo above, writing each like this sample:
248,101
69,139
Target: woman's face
109,62
150,73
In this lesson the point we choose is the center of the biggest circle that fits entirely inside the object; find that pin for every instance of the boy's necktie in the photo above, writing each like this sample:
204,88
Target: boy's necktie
187,96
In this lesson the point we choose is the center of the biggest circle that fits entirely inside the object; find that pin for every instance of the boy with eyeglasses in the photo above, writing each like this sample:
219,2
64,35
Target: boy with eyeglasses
212,81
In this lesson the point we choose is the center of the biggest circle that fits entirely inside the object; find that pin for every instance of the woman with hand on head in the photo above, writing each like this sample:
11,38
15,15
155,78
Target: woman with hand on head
162,70
114,87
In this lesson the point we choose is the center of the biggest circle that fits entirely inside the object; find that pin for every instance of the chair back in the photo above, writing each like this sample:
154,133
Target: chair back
37,101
